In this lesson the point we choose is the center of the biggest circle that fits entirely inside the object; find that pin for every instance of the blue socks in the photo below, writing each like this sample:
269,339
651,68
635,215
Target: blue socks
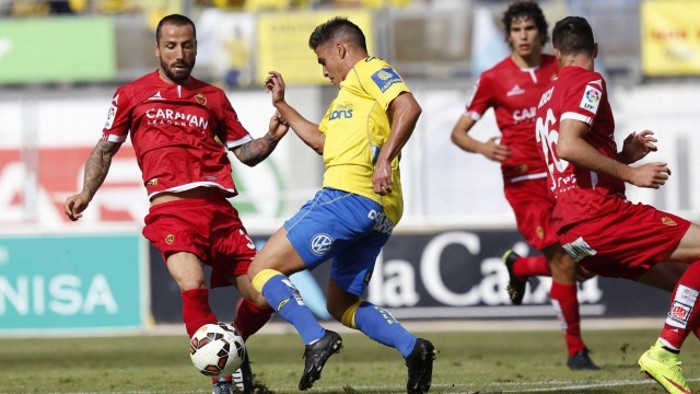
378,324
286,300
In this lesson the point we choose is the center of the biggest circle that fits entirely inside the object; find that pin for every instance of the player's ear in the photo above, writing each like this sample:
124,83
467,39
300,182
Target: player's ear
156,49
595,50
557,54
341,50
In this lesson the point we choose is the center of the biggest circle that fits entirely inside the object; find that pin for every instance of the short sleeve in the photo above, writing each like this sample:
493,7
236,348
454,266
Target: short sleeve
383,83
118,117
480,100
583,99
231,131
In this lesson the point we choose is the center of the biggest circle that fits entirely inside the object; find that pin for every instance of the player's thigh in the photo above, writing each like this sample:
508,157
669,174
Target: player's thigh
278,254
187,270
663,275
688,249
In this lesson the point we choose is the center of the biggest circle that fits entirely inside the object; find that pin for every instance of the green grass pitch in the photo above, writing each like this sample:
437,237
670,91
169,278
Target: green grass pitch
468,362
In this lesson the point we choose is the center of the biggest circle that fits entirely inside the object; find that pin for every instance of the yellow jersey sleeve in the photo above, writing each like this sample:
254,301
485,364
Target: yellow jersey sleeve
380,80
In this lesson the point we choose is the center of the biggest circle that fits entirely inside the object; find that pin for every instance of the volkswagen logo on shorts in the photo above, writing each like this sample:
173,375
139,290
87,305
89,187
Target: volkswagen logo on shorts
321,243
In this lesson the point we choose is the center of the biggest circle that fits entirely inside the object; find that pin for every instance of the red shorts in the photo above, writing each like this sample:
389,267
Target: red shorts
207,227
625,243
532,205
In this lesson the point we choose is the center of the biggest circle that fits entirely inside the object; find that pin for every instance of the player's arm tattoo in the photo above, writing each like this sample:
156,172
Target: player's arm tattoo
97,165
255,151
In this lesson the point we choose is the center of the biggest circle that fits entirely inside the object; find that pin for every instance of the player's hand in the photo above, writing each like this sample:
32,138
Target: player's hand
274,83
278,126
75,205
636,146
651,175
381,179
492,150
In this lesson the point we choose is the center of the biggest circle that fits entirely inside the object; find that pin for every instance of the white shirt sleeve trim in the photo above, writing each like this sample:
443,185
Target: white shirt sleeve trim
576,116
115,138
474,115
238,142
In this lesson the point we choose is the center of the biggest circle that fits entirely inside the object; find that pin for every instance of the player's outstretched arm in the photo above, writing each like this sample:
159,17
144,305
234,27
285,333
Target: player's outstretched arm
404,111
253,152
490,149
305,129
96,169
573,148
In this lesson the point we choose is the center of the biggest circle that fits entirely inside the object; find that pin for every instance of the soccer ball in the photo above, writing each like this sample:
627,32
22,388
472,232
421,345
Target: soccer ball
217,350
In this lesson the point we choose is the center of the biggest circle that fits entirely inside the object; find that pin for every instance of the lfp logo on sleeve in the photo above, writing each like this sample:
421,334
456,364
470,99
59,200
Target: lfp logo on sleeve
386,77
591,99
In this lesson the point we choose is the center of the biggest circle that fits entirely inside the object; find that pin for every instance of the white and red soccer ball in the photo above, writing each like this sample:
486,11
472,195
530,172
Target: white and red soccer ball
217,349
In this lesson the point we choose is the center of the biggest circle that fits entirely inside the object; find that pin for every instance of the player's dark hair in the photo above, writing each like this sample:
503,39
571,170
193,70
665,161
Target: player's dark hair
177,20
573,35
526,10
337,29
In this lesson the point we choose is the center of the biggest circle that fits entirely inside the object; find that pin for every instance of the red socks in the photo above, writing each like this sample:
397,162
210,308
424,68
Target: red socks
566,304
683,316
524,267
250,317
195,310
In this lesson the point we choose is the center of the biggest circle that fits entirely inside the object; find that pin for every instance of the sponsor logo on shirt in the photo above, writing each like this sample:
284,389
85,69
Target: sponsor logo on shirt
515,91
152,182
540,232
169,116
156,96
200,99
520,115
386,77
668,221
341,111
591,99
169,239
112,113
321,243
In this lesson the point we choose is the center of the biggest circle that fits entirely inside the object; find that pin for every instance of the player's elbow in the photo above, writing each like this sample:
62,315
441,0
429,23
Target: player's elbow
565,150
454,137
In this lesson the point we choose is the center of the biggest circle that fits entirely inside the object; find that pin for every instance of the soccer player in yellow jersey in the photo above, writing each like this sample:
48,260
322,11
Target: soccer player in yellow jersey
353,215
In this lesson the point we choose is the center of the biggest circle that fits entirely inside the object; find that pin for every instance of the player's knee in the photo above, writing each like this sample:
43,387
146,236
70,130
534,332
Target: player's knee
186,284
583,274
335,311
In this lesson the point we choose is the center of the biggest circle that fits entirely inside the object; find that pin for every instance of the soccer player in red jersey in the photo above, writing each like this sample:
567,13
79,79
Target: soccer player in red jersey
512,88
599,228
180,129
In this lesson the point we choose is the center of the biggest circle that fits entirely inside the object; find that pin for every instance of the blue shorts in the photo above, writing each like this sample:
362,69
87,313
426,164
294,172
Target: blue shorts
345,227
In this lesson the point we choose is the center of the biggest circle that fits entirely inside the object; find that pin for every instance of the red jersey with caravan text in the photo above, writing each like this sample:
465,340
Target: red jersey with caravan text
581,194
514,92
173,130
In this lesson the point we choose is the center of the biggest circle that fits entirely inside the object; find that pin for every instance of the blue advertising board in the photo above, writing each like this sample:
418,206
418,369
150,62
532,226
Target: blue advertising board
72,282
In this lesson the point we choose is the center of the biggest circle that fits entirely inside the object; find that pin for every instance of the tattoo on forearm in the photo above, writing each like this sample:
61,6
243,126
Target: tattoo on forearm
97,166
257,150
